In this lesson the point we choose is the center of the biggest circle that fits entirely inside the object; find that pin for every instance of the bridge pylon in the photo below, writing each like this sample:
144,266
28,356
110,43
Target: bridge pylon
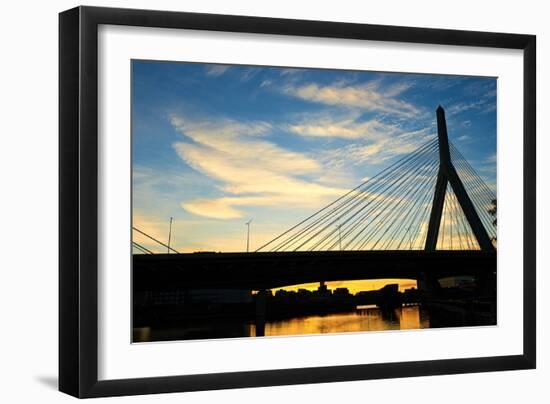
447,175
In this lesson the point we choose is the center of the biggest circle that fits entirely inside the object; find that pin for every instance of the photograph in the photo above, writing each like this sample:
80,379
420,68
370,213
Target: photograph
284,201
253,201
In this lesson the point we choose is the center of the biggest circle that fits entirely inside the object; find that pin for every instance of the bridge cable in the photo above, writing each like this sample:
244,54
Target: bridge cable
398,186
331,217
382,201
154,239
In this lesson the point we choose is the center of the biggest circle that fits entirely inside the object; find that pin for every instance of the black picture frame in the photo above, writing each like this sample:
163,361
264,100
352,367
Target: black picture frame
78,201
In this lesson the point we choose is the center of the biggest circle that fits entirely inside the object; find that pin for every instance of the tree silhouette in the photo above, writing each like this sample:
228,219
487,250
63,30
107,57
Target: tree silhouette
493,211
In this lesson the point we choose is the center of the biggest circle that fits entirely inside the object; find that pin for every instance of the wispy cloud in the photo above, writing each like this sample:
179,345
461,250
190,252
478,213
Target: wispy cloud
346,127
216,70
484,104
377,150
291,71
154,189
367,96
248,74
463,139
371,141
252,170
491,159
266,83
464,106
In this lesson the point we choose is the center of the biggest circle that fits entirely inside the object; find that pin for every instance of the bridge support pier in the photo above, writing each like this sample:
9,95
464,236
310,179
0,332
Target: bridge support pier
428,285
261,309
487,284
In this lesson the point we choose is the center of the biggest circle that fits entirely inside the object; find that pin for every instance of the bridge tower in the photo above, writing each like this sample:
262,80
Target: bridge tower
447,174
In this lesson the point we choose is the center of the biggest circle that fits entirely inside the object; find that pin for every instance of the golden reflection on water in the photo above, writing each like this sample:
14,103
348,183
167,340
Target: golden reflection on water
367,319
364,318
142,334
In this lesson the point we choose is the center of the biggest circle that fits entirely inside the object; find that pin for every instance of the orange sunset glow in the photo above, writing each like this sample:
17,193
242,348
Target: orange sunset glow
355,286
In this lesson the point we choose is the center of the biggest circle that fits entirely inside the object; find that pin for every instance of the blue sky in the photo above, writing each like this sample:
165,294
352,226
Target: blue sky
217,145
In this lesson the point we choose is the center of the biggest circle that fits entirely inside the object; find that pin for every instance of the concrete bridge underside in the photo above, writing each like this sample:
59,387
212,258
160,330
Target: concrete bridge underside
257,271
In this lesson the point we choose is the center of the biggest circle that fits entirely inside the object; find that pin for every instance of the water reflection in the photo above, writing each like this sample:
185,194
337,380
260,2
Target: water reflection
364,318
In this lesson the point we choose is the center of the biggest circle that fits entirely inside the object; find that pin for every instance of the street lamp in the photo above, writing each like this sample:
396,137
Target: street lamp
248,234
169,235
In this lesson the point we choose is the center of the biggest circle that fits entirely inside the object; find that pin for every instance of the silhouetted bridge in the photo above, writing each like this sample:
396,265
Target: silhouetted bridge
256,271
425,217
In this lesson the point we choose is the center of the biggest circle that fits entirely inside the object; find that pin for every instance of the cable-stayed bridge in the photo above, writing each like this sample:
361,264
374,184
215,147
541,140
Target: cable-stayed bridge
427,216
419,202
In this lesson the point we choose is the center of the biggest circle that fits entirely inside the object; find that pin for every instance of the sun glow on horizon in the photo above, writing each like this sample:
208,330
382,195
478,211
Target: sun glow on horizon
354,286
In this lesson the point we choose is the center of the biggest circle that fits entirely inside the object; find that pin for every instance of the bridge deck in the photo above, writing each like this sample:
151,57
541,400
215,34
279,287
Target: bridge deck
269,270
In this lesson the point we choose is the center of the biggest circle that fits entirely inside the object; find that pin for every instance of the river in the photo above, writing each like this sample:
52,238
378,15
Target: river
364,318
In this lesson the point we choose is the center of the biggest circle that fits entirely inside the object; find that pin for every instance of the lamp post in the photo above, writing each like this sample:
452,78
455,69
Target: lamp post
169,235
248,234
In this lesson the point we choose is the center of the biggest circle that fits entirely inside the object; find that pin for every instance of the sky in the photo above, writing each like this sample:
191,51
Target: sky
214,146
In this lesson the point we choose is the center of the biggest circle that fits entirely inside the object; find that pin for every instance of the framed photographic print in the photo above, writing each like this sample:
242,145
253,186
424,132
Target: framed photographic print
251,201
